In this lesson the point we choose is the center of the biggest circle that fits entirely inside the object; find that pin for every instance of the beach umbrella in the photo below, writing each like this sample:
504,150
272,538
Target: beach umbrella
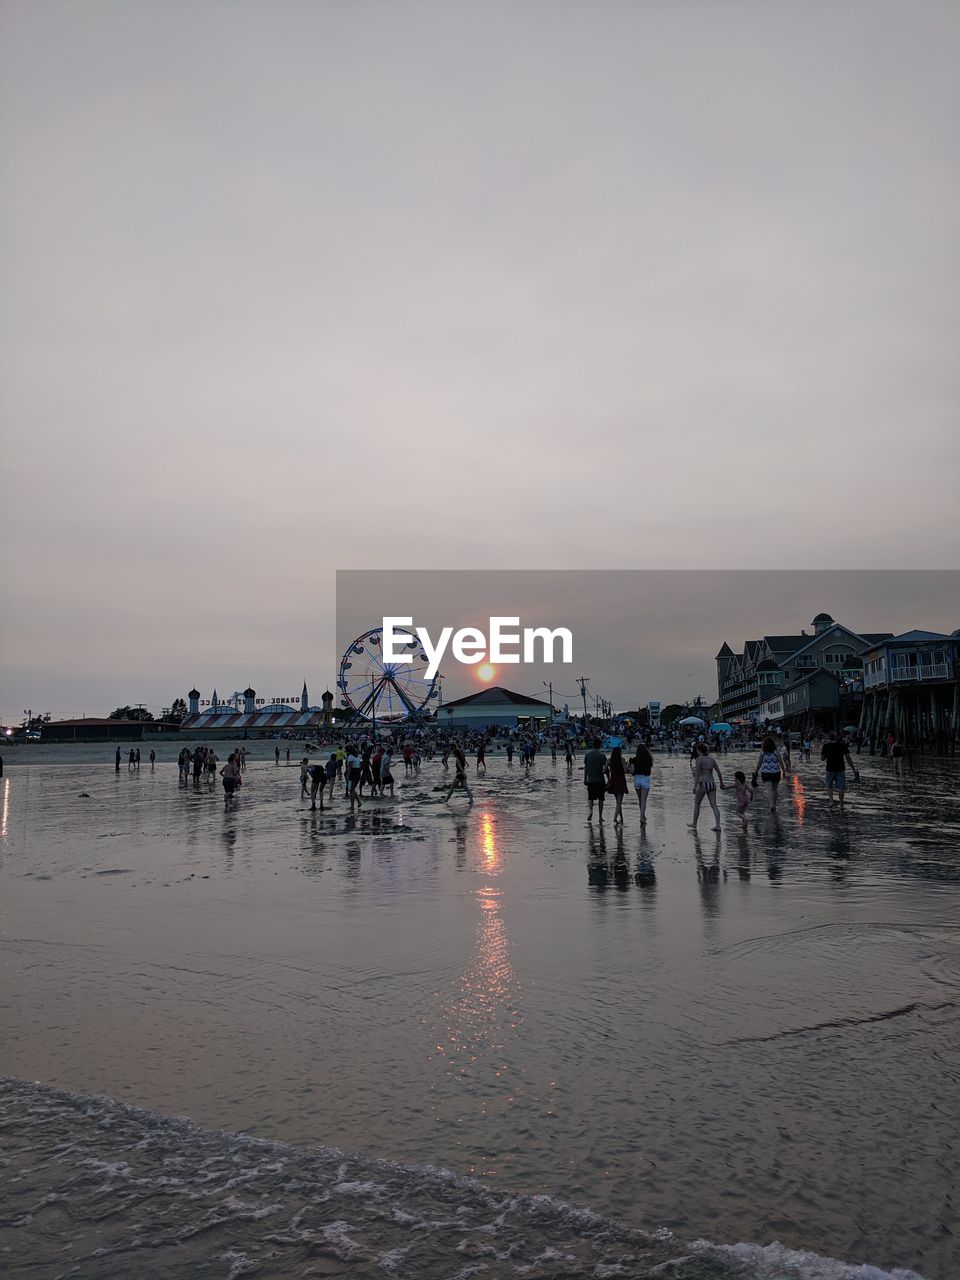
721,727
850,728
692,720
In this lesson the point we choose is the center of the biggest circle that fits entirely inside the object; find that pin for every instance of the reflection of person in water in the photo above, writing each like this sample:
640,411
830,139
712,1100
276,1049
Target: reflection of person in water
646,876
621,872
597,870
460,843
708,872
743,860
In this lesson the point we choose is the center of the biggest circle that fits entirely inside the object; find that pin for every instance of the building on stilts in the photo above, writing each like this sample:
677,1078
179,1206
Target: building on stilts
911,692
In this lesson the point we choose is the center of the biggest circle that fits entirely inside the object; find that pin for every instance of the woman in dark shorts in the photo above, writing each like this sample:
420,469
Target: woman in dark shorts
617,782
770,770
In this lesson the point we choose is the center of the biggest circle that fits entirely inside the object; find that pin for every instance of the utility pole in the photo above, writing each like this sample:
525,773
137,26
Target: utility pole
583,681
549,685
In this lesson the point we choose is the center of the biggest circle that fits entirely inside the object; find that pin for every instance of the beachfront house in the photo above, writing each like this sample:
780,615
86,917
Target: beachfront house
767,670
911,689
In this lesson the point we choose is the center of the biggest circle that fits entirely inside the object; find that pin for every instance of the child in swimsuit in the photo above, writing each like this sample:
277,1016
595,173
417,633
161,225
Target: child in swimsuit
743,794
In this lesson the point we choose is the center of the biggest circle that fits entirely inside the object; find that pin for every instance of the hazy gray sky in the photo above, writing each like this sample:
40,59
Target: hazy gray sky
639,635
296,286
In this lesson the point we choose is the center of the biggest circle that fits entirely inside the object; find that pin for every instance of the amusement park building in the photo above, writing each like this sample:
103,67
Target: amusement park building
227,719
494,706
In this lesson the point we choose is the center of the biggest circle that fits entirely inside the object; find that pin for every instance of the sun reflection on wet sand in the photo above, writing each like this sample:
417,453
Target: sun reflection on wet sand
4,808
799,798
480,1012
477,1017
488,843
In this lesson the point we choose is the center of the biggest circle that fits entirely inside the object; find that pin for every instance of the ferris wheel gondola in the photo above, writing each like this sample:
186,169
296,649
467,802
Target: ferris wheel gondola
385,691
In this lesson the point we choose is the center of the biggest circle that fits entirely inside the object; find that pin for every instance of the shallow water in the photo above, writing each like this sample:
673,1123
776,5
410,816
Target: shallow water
737,1038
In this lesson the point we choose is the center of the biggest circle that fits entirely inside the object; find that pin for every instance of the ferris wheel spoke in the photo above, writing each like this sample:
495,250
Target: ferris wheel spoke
371,698
402,696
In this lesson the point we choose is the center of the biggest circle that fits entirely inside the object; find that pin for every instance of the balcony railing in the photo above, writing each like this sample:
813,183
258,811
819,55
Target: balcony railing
908,675
926,671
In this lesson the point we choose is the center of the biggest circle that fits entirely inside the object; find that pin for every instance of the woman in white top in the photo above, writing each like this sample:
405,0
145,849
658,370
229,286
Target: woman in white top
386,777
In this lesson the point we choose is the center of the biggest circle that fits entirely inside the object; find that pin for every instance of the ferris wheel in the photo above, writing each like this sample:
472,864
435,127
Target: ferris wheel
379,690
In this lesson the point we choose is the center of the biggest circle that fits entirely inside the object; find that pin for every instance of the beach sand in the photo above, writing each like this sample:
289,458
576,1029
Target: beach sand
739,1038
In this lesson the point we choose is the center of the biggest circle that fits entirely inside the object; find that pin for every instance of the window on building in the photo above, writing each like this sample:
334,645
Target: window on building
837,657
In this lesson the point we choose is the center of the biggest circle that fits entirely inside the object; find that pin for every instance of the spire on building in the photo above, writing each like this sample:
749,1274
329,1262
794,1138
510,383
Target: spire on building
304,698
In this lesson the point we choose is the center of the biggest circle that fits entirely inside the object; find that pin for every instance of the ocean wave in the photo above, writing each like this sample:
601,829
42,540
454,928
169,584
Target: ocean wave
97,1189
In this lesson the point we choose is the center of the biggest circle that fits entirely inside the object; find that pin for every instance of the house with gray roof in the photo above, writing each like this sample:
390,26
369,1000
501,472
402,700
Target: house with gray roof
765,670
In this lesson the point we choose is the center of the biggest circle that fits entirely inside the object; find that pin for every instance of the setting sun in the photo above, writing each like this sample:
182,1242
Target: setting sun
485,672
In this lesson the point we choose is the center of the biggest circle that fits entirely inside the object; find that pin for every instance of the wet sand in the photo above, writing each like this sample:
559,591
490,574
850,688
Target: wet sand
742,1038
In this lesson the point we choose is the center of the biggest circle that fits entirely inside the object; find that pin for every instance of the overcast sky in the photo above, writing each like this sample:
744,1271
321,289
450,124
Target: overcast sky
289,287
639,635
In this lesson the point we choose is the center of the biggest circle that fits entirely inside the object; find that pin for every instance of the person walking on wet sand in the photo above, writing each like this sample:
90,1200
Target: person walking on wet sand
770,770
481,757
705,766
836,756
330,769
595,778
897,752
744,796
386,774
617,782
276,753
354,771
459,782
153,758
642,768
304,777
117,760
230,775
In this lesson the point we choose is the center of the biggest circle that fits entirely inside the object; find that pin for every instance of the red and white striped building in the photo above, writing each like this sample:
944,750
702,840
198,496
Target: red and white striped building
244,713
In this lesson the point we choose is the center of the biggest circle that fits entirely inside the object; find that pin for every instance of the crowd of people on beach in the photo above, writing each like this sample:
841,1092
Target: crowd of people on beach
367,767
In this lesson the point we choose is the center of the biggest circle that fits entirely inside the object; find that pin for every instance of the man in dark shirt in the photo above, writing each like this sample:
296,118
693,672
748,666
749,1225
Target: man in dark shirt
836,756
595,777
